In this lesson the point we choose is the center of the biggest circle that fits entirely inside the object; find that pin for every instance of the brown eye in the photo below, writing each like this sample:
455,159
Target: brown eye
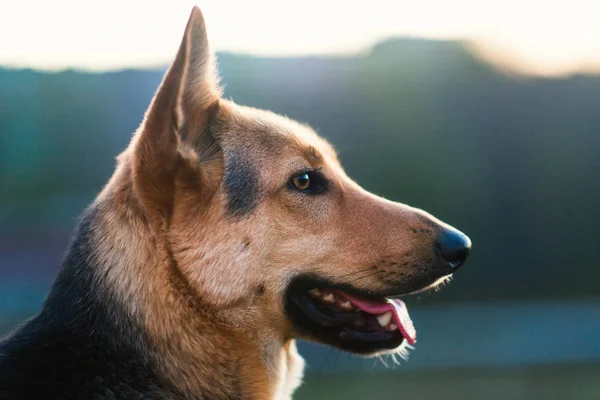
302,182
309,183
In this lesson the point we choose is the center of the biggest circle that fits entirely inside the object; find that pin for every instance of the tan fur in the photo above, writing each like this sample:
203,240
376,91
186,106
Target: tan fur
208,287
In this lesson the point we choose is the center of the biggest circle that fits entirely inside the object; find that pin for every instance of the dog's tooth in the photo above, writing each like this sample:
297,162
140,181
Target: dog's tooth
315,292
392,327
346,305
384,318
328,298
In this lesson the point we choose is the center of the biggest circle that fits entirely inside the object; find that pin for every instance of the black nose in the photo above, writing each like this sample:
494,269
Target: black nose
454,247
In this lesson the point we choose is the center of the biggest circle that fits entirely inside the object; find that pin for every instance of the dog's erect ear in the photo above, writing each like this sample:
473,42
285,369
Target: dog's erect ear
181,105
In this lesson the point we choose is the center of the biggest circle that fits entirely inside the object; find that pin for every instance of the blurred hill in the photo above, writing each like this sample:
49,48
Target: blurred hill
513,161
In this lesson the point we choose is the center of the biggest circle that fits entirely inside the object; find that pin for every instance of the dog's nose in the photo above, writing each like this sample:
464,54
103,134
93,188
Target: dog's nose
454,247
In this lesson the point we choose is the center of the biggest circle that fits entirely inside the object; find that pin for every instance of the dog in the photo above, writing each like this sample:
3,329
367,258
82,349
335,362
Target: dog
225,234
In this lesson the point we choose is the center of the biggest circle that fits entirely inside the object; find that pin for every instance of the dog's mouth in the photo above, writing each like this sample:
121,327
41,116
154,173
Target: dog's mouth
350,319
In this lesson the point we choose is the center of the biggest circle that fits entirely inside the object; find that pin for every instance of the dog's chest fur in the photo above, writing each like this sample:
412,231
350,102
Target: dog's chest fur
81,345
85,345
287,369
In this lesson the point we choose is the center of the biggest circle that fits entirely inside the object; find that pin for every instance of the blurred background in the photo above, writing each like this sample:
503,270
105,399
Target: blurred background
486,114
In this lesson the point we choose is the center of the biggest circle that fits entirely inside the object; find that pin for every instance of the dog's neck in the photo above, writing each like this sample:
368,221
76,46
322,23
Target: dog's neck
201,355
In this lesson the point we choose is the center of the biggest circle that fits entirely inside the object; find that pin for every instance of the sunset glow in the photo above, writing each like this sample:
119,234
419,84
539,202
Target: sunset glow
530,36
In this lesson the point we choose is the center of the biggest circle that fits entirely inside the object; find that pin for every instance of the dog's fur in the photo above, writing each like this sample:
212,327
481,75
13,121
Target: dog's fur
174,284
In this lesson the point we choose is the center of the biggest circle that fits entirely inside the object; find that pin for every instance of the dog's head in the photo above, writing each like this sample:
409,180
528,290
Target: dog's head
264,226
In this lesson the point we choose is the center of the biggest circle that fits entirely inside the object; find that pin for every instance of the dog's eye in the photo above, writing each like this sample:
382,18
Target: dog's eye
312,182
302,182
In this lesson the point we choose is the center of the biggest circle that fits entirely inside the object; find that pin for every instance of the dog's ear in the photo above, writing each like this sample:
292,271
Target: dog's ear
180,109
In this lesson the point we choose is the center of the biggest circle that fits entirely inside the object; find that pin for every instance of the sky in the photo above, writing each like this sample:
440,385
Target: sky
542,37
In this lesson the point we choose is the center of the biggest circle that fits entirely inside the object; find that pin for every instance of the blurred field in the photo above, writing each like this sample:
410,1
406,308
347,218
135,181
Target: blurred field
573,382
512,161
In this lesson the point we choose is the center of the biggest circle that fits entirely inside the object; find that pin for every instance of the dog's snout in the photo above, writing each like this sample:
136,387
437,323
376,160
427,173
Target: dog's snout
454,247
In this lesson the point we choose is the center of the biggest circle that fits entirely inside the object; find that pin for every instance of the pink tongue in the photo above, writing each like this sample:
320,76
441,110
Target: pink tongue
396,306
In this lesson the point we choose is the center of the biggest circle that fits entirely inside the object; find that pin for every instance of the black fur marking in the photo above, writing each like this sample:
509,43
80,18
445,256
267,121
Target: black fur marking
261,290
82,345
241,185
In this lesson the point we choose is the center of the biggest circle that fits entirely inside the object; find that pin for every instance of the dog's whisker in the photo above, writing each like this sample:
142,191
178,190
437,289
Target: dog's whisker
359,271
375,363
363,277
326,359
383,362
337,356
